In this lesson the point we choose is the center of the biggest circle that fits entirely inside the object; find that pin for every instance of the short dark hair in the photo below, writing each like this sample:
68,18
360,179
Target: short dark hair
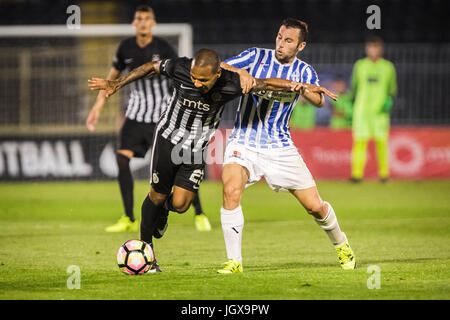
298,24
374,38
144,8
207,58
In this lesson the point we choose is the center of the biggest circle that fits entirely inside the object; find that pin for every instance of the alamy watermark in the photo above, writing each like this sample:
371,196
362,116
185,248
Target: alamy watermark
374,280
74,280
74,20
374,20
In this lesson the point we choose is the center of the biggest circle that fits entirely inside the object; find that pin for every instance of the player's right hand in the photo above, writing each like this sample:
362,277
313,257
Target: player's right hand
325,91
304,88
92,119
102,84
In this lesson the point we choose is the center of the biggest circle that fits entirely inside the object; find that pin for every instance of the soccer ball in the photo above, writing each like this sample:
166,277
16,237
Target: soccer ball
135,257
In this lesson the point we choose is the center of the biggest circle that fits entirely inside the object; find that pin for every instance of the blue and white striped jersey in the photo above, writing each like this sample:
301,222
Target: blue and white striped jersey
262,118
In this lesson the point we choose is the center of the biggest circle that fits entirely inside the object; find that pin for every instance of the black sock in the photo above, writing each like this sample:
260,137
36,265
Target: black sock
150,214
197,205
126,184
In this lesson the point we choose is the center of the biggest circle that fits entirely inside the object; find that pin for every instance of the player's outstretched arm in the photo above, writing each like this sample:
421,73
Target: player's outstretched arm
94,114
111,86
312,93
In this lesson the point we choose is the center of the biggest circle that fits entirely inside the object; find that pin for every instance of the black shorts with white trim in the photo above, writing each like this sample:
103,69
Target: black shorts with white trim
174,166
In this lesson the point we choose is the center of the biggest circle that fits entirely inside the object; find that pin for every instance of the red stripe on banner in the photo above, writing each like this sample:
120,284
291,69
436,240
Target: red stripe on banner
415,152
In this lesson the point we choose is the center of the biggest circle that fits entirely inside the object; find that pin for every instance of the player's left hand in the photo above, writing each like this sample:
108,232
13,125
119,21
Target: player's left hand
102,84
247,81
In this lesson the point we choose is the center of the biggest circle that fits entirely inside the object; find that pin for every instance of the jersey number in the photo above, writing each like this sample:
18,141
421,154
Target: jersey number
197,176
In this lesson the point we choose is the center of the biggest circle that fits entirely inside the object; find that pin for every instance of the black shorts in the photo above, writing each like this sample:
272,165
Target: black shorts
168,170
136,136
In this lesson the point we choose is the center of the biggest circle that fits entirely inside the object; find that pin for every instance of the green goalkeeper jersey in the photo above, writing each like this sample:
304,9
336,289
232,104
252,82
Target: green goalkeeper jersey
373,84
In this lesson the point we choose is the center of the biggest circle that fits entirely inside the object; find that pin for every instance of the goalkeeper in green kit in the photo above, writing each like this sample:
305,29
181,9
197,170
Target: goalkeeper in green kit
374,86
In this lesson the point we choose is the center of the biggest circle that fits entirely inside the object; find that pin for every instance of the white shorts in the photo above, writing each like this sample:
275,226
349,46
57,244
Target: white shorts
283,169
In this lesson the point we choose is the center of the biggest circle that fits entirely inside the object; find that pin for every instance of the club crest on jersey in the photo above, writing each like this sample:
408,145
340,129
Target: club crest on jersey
295,76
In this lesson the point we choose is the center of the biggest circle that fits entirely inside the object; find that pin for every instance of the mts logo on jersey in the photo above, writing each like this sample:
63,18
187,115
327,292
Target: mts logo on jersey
196,105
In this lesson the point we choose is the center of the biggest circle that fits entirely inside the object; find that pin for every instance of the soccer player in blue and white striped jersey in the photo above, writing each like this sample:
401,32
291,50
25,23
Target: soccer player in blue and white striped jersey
262,120
261,146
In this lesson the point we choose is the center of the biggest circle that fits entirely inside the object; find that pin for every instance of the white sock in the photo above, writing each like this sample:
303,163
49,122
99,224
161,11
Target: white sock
331,227
232,225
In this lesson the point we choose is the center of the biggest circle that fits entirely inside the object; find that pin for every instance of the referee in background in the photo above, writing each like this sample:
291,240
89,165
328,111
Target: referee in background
145,106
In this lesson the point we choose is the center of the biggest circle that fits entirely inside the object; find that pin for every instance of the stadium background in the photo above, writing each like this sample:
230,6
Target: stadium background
47,226
45,100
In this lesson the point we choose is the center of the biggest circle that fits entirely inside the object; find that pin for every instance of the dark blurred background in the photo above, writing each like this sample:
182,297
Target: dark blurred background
256,21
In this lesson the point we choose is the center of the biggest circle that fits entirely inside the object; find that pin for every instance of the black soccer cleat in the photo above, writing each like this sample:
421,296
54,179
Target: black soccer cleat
161,225
384,180
155,268
355,180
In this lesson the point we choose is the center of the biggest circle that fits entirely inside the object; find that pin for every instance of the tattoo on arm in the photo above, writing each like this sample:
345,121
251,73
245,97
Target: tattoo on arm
147,69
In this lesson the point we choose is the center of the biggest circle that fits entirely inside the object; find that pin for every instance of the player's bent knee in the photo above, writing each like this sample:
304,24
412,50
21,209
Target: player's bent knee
232,191
182,209
180,205
157,198
126,153
315,208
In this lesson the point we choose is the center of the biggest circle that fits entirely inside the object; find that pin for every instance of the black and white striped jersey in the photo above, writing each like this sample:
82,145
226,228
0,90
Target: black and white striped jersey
146,102
192,117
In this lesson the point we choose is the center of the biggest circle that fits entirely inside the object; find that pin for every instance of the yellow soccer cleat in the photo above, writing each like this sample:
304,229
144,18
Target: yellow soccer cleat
231,266
346,257
135,226
124,224
202,222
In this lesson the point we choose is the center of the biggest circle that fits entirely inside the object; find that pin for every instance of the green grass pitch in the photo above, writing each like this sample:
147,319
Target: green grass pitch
401,227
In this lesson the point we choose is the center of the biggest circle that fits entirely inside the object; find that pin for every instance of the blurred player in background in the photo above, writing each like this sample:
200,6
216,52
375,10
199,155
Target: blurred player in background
374,87
343,108
303,115
145,106
201,88
260,144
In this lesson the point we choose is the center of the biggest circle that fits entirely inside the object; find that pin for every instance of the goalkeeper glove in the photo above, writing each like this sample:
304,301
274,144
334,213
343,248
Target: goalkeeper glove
387,106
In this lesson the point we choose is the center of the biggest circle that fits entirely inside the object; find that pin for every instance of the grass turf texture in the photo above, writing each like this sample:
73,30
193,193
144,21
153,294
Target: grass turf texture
402,227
